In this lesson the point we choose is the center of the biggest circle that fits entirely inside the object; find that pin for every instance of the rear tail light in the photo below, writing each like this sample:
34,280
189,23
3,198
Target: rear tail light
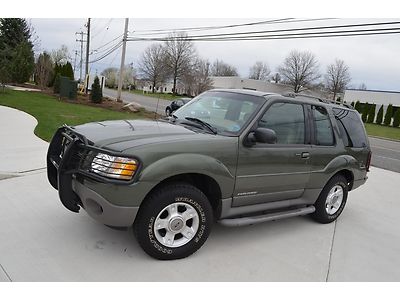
368,160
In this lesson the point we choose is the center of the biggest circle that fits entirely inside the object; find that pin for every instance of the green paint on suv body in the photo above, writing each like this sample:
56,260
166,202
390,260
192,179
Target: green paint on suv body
226,158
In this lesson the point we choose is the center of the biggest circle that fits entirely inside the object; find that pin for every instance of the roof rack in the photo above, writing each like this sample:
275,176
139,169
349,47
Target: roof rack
294,95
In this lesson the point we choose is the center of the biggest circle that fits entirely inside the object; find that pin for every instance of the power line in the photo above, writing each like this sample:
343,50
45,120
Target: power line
102,28
109,42
276,21
107,53
246,34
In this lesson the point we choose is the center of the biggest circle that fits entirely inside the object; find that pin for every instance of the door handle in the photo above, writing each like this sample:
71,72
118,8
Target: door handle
304,155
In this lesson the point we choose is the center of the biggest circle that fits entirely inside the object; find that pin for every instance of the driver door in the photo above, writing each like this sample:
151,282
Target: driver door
274,172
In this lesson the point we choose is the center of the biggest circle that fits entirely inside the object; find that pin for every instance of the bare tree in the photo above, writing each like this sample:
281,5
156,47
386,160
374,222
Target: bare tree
300,70
259,71
276,78
337,77
220,68
362,86
197,79
111,77
129,75
152,65
179,54
61,56
44,70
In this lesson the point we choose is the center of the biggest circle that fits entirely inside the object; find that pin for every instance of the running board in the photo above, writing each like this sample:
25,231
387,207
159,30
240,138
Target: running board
268,217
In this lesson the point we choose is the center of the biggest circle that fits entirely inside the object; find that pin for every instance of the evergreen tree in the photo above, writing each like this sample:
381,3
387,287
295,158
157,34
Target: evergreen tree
396,118
365,112
388,115
68,71
57,84
96,94
379,117
16,49
371,113
22,64
358,106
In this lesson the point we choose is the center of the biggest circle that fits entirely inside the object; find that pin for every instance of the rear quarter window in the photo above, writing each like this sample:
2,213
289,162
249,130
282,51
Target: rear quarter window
351,128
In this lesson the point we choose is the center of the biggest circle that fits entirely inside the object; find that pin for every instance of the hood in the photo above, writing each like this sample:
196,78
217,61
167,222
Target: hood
123,134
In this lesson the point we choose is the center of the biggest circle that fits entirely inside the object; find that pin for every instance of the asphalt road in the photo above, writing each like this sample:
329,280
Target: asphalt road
148,103
385,154
42,241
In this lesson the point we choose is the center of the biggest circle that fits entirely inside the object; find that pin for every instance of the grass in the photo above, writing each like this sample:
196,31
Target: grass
52,113
383,131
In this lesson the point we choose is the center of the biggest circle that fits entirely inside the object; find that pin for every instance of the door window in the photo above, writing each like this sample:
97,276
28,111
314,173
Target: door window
287,120
323,127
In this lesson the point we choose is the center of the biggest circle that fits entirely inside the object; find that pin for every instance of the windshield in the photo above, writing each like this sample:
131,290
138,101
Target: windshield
226,112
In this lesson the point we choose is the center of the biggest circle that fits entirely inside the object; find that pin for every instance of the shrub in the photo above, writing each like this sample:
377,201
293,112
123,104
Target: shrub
371,113
96,95
396,118
379,117
365,112
388,115
57,83
357,106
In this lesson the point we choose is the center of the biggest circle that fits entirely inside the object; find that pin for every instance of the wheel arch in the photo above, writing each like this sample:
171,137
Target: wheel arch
205,183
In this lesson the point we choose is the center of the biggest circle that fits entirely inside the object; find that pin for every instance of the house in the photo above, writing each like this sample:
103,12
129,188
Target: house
376,97
236,82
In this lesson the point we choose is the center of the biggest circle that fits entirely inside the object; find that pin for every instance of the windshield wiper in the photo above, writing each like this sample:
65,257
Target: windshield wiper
204,124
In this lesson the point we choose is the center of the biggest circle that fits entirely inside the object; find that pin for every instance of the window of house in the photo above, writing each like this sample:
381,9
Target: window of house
287,120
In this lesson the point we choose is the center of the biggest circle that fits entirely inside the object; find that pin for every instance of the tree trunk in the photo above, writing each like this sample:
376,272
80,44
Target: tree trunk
174,86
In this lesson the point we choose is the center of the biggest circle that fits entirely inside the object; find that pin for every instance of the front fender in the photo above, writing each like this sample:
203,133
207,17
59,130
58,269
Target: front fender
190,163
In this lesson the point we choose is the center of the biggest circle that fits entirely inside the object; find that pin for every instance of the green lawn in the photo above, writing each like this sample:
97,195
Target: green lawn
52,113
383,131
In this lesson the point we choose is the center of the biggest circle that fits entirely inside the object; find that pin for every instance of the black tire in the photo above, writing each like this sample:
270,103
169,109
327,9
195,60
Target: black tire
156,202
321,215
168,112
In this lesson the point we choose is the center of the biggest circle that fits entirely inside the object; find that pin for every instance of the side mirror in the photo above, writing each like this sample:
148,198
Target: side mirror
261,135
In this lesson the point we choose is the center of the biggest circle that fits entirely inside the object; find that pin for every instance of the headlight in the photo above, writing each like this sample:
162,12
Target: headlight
114,167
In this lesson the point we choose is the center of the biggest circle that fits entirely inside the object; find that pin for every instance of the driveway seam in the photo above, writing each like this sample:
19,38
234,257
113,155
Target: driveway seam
8,276
330,253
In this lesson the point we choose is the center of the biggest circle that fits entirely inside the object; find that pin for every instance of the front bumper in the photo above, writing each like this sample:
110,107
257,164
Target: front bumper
102,210
67,150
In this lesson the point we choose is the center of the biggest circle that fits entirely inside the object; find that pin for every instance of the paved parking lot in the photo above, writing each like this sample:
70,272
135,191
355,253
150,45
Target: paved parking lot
42,241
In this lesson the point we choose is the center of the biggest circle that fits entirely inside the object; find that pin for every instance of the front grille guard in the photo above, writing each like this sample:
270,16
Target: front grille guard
71,153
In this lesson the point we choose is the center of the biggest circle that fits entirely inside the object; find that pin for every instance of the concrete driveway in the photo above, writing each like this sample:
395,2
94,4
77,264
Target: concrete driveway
42,241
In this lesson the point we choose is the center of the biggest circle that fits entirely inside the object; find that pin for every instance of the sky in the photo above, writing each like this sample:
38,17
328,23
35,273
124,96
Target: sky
372,60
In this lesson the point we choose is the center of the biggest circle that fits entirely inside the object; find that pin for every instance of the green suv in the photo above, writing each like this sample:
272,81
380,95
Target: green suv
237,157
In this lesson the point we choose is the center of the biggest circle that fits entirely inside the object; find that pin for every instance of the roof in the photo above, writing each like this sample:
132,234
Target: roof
373,91
244,91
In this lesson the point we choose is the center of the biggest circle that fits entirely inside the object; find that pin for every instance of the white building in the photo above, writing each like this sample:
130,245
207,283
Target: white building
373,97
235,82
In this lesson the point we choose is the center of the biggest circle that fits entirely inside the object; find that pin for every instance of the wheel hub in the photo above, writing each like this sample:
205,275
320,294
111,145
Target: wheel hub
334,199
176,224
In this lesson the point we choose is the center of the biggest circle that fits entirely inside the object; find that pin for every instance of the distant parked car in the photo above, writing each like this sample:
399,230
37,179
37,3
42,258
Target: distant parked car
175,105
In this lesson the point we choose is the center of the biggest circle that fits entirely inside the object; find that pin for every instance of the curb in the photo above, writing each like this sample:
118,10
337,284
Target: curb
383,138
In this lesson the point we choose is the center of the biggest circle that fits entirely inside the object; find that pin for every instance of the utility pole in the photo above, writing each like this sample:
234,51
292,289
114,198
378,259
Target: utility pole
87,53
121,70
76,54
81,40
